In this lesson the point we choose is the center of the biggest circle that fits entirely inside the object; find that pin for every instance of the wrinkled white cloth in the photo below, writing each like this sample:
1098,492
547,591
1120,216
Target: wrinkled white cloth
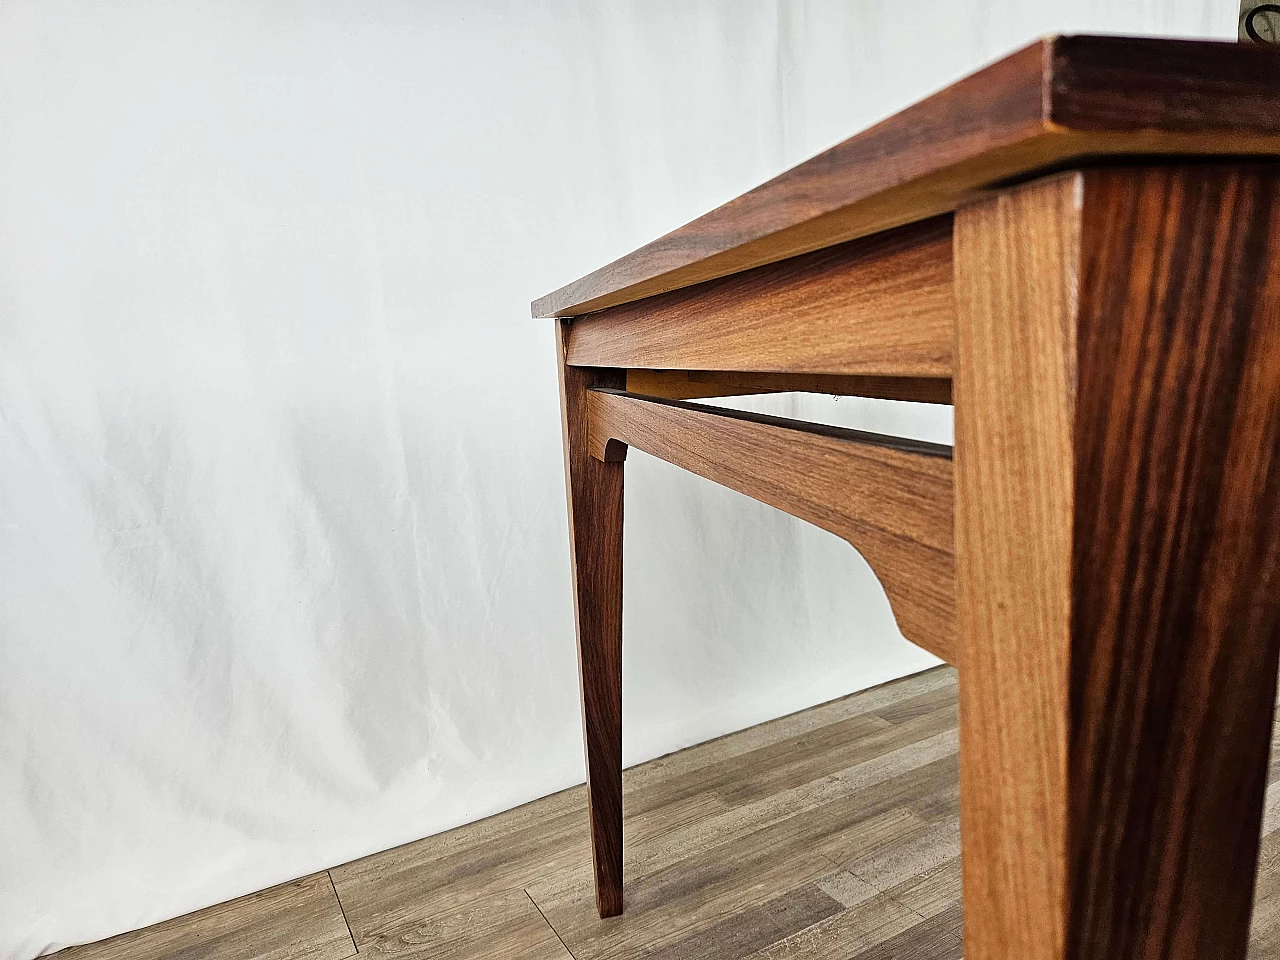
283,565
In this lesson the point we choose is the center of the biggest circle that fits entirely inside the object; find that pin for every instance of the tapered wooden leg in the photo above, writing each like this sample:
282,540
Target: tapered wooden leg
1118,559
595,543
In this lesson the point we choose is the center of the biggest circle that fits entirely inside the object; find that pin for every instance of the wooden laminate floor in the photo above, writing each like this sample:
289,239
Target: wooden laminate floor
832,833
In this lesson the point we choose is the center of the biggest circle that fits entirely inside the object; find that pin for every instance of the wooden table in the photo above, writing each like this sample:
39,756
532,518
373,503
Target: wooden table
1079,247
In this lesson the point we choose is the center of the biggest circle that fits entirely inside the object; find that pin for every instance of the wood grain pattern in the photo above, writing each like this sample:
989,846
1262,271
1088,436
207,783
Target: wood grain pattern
301,920
384,895
1193,257
1118,558
695,384
455,896
882,306
504,925
890,498
595,538
1058,101
726,840
1015,292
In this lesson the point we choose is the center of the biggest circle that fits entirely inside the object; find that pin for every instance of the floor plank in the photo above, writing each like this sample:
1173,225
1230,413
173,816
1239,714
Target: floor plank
451,870
871,923
301,920
832,833
494,926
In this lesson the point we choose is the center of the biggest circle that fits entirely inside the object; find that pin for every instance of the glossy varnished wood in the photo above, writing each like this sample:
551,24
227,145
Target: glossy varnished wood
890,498
1176,557
880,307
1060,100
1114,484
594,491
1118,558
1013,529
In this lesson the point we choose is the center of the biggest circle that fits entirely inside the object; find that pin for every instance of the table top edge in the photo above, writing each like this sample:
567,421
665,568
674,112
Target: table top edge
1059,98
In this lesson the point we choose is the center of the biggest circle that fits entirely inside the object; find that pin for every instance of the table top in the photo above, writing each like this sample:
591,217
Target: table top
1062,101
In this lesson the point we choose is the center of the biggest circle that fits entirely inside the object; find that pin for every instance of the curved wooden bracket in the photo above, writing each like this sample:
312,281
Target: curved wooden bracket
888,497
609,450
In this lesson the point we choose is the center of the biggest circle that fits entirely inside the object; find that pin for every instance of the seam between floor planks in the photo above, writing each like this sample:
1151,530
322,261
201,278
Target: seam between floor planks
718,864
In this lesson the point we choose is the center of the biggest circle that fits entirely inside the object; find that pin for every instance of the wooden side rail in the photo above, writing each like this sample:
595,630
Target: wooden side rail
888,497
882,306
692,384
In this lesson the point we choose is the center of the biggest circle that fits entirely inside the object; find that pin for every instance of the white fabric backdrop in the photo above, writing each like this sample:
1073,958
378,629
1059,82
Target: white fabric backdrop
283,565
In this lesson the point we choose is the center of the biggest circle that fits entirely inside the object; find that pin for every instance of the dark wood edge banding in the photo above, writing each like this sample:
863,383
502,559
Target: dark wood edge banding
696,384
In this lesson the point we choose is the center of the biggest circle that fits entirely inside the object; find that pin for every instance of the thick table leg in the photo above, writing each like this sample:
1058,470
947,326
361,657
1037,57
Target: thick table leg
1118,559
595,544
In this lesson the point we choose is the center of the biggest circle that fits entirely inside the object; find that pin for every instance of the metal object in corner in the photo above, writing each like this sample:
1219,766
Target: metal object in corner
1259,21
